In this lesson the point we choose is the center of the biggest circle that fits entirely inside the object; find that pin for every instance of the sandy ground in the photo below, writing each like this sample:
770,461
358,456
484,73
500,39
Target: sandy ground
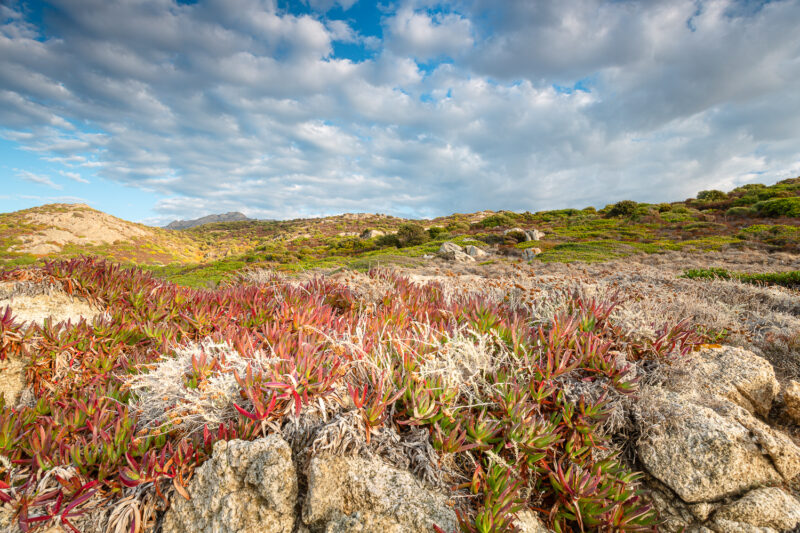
32,303
79,225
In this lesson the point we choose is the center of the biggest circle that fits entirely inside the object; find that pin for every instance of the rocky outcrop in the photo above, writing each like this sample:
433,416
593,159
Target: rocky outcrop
699,454
450,251
530,234
475,252
245,487
253,487
356,494
715,461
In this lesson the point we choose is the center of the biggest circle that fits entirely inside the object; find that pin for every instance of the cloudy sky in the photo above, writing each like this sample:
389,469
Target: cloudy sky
160,109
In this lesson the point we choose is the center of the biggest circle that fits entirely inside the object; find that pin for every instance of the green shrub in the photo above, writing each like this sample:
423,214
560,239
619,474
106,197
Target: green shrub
385,241
625,208
436,231
457,227
493,221
739,212
712,195
411,235
664,208
779,207
590,210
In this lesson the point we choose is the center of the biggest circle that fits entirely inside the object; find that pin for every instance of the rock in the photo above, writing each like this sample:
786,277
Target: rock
347,234
791,396
448,247
12,380
768,507
528,522
530,234
534,235
349,494
733,373
530,253
698,453
244,487
519,231
457,257
372,233
475,252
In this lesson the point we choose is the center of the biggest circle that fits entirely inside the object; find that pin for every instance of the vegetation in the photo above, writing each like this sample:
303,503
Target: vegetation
789,279
508,425
205,255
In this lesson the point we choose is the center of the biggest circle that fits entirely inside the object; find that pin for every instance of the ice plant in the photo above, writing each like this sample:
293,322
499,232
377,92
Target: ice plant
510,423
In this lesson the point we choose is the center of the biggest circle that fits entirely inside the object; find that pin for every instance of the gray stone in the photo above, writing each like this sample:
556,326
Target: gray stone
768,507
475,252
244,487
449,247
530,253
698,453
349,494
733,373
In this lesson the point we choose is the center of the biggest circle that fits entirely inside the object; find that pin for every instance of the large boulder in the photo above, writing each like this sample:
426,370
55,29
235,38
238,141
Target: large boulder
766,509
701,455
449,247
453,252
475,252
733,373
244,487
350,494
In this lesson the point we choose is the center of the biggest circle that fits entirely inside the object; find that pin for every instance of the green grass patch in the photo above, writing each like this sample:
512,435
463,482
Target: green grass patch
790,279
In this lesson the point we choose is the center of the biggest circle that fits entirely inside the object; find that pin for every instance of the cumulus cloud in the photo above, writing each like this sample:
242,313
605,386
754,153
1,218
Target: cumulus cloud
227,105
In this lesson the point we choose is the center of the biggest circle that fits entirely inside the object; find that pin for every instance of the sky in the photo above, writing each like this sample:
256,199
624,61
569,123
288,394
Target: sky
154,110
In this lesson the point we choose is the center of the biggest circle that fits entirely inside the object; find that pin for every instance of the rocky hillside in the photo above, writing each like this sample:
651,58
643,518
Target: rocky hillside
63,230
749,217
232,216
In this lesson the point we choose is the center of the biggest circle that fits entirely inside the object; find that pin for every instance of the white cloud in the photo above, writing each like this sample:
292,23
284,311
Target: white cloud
37,179
221,106
426,36
74,176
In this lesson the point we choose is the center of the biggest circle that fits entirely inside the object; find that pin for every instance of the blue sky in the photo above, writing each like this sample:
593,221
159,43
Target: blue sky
156,109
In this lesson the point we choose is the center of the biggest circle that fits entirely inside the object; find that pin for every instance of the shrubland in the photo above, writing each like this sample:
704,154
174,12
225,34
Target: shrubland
518,400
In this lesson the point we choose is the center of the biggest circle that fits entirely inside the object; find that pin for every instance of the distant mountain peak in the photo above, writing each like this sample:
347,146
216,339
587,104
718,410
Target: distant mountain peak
232,216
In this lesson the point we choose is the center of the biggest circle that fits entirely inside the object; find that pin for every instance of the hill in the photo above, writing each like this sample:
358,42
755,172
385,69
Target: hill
232,216
753,216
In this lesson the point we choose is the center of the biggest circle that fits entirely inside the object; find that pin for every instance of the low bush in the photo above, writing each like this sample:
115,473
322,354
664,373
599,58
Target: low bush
412,235
779,207
625,208
496,220
740,212
711,196
436,231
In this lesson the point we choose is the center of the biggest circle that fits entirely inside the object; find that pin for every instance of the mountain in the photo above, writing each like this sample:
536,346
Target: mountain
233,216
